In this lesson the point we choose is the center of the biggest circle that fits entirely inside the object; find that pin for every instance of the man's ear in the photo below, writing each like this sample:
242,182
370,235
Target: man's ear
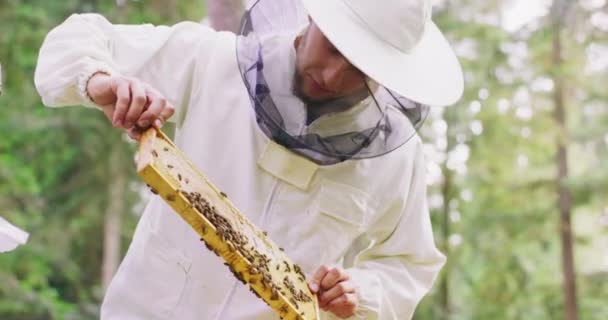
304,32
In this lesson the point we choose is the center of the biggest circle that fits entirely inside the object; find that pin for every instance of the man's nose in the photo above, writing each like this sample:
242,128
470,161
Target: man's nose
334,72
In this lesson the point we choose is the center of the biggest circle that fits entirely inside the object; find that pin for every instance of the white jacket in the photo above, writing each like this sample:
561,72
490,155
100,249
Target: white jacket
10,236
318,214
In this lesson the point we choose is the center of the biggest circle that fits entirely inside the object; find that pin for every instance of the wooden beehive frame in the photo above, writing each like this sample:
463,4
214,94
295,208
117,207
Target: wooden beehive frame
251,256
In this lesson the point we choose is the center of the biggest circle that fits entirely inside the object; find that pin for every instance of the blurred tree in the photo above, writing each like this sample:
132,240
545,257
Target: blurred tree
493,185
66,176
558,16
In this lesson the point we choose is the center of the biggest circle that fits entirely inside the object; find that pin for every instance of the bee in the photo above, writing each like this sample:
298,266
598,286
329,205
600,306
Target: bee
275,295
179,177
153,191
294,302
166,149
253,270
170,166
284,309
154,153
223,195
171,197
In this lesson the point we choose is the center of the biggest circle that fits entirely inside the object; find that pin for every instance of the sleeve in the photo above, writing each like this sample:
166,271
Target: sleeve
164,57
400,266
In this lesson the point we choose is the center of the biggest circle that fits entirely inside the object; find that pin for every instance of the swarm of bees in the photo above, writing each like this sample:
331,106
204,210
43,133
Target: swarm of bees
259,269
259,264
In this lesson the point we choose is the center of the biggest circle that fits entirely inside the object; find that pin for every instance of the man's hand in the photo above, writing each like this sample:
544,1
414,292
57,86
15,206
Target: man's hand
129,103
336,292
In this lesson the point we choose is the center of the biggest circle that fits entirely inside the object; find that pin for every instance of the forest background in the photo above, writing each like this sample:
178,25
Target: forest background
518,169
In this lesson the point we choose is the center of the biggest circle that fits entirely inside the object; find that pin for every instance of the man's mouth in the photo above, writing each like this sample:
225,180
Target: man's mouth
317,87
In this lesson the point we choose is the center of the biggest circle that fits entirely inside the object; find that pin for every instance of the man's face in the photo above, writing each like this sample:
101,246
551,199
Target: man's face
322,73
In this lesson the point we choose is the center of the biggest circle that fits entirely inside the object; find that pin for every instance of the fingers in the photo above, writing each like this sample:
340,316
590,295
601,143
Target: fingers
332,277
134,133
167,112
315,282
108,111
123,100
344,306
338,290
326,277
158,111
138,102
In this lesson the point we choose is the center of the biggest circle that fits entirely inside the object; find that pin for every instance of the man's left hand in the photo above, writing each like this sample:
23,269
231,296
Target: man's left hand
336,291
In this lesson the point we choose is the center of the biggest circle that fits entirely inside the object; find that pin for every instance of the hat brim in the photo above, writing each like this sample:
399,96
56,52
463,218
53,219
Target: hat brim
429,74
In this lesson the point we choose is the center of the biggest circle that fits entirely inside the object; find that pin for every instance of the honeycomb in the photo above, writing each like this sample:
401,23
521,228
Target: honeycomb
251,256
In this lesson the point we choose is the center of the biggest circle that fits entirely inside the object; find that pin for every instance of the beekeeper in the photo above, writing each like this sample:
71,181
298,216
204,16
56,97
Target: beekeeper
307,120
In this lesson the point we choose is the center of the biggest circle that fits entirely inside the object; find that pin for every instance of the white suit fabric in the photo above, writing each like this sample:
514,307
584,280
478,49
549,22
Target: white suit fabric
316,213
10,236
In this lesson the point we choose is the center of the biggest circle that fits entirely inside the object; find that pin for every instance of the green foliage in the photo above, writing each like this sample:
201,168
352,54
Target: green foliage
507,262
54,170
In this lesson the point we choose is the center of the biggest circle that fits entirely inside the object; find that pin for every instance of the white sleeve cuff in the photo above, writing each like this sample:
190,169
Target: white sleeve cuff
83,79
369,293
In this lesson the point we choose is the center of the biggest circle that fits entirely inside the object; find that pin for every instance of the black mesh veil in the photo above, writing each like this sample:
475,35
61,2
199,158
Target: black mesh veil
371,127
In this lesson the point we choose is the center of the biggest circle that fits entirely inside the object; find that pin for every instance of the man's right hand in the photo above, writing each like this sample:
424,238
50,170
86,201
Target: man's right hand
129,103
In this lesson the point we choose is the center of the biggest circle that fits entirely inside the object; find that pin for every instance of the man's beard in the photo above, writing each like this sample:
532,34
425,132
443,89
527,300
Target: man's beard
328,105
297,84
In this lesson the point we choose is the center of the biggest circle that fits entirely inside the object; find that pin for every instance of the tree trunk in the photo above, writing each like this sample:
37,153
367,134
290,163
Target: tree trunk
166,8
112,217
564,195
225,15
447,192
444,285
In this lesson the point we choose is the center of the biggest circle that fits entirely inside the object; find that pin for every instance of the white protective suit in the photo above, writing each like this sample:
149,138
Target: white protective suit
316,213
10,236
